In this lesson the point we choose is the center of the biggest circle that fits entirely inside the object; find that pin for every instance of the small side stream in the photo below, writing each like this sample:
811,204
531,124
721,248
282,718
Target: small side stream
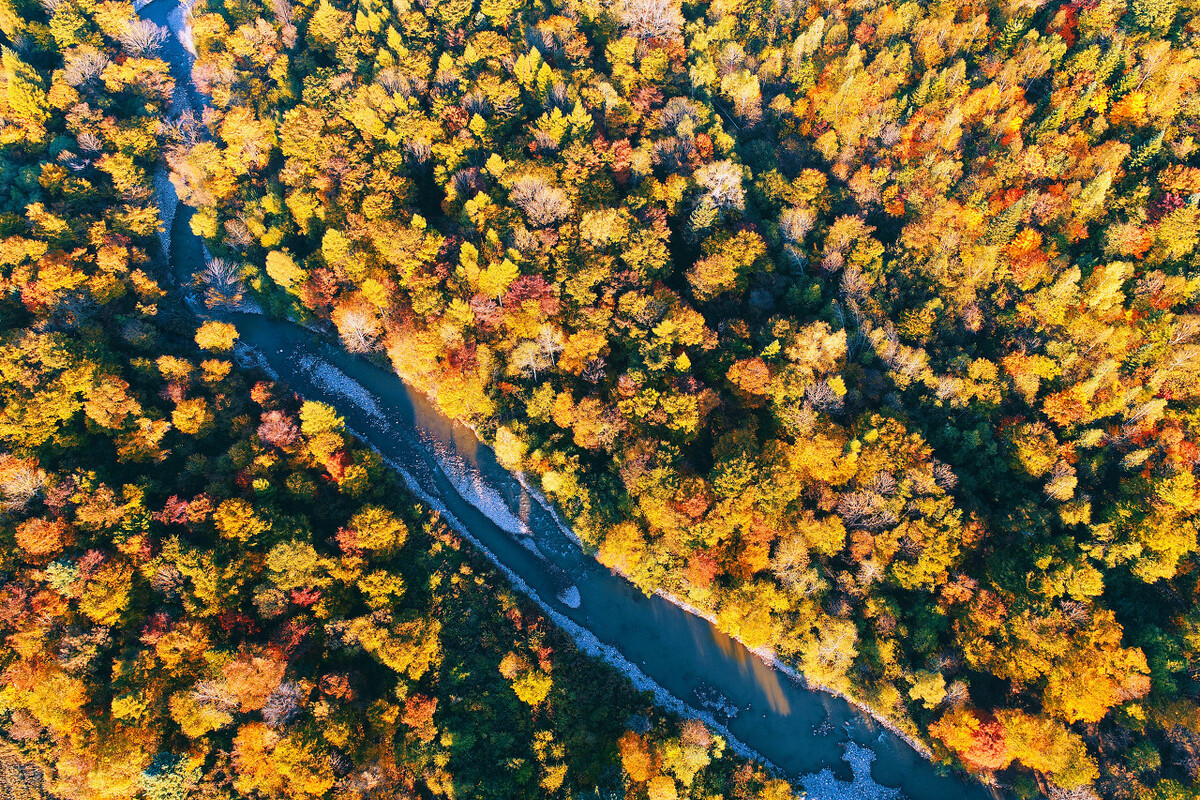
819,740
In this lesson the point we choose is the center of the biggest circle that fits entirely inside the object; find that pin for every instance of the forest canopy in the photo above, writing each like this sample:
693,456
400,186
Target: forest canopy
870,329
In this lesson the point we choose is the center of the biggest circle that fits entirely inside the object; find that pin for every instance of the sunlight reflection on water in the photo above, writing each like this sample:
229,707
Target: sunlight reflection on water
748,664
433,426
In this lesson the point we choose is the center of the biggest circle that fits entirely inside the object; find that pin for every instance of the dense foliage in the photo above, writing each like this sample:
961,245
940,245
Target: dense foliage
867,327
207,588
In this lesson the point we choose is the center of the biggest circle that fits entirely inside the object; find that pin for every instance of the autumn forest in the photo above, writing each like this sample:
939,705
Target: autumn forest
868,329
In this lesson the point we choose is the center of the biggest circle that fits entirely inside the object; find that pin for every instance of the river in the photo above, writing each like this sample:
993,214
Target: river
820,741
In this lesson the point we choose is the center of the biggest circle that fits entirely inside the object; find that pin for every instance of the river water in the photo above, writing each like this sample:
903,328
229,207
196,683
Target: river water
820,741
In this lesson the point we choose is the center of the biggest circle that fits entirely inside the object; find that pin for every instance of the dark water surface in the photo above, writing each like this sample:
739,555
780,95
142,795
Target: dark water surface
682,653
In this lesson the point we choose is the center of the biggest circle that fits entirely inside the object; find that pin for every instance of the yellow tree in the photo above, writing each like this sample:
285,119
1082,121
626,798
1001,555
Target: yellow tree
217,336
273,765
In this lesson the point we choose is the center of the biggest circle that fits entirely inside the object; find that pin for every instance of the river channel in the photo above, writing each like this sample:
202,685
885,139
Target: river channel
820,741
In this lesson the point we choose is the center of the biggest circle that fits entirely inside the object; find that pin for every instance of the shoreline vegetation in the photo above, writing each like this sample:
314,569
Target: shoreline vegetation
772,660
768,656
